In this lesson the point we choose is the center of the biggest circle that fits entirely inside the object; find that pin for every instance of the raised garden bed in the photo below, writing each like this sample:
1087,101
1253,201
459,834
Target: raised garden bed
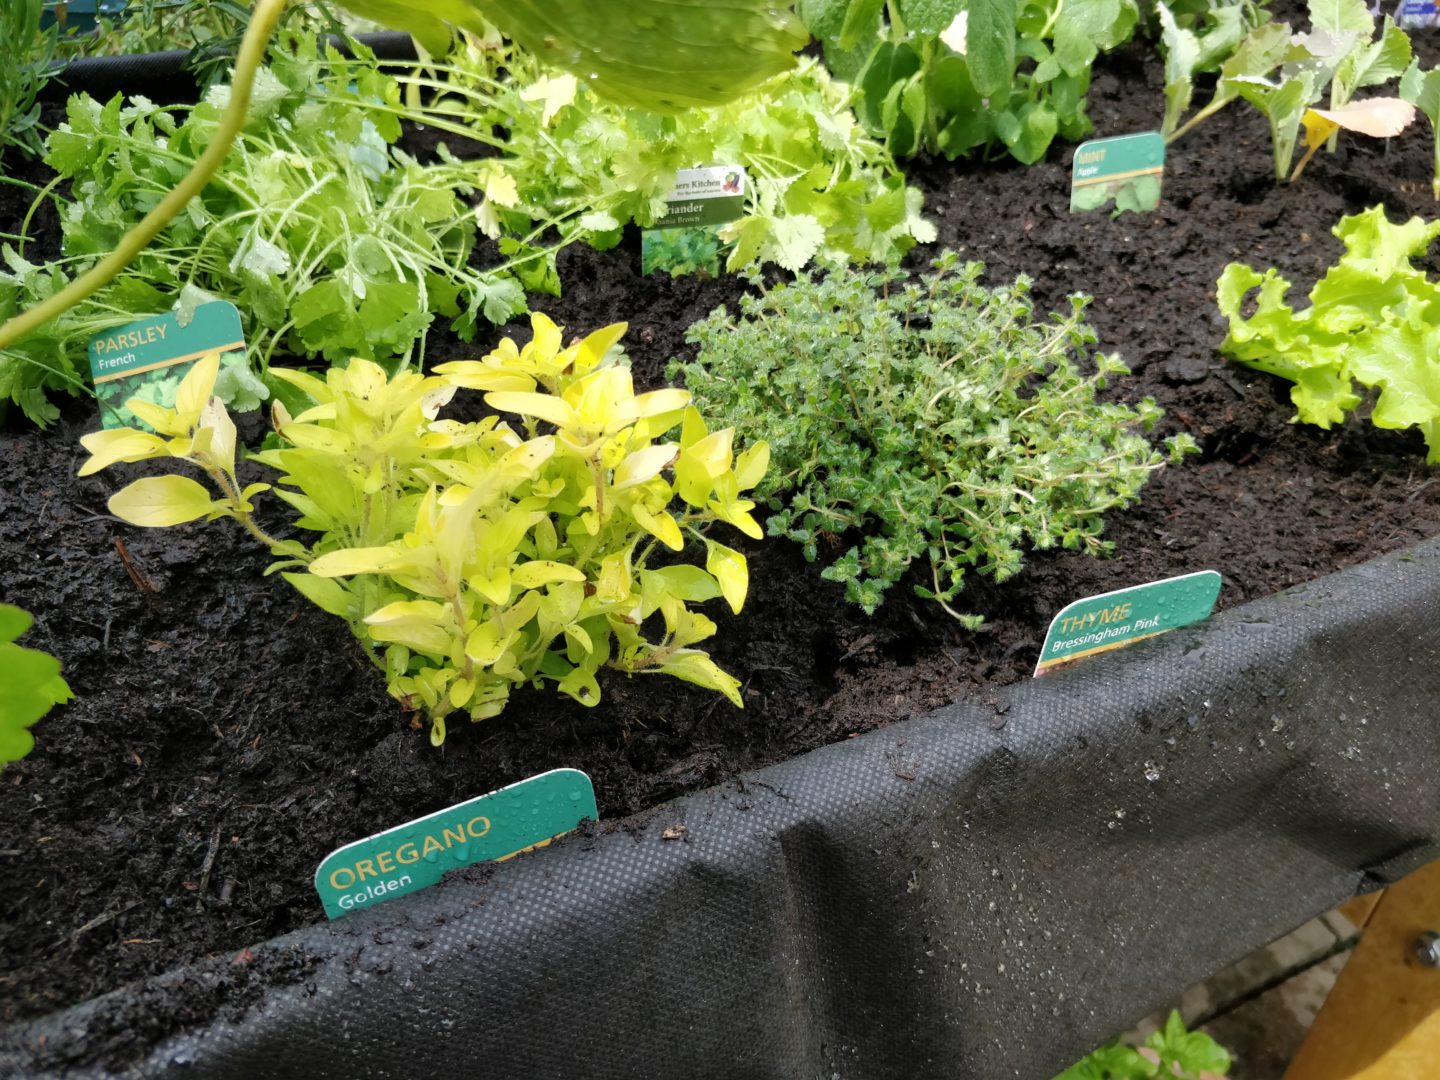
226,735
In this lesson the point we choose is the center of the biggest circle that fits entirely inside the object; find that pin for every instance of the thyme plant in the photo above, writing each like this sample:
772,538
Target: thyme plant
936,419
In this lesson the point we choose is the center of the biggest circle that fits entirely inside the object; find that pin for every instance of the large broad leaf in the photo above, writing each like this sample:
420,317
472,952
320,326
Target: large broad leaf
662,55
990,45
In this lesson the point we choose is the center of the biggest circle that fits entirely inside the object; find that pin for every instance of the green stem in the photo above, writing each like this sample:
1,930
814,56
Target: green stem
262,21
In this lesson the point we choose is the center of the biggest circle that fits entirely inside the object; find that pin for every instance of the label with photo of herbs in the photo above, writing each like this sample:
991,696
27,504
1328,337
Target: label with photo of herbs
686,240
148,358
1125,170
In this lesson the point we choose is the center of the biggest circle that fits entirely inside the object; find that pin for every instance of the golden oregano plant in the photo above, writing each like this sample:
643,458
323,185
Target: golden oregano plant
471,558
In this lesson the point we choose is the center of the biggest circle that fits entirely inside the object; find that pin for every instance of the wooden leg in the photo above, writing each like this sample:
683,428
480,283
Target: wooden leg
1382,1019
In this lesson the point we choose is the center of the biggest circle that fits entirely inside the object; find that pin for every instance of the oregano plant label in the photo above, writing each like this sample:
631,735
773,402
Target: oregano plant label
1115,619
488,828
149,357
686,238
1126,169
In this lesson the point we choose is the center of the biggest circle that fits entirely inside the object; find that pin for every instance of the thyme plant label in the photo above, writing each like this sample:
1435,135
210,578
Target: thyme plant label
1113,620
148,358
686,238
1126,168
489,828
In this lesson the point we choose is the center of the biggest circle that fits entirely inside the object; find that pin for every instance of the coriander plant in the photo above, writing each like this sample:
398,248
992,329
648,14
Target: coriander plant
937,419
470,558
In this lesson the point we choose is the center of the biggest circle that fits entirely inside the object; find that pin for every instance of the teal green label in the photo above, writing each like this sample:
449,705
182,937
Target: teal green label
149,358
685,239
491,827
1115,619
1126,168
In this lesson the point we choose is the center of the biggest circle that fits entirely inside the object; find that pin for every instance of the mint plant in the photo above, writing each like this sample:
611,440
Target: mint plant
1172,1053
1373,319
958,78
936,420
32,686
470,558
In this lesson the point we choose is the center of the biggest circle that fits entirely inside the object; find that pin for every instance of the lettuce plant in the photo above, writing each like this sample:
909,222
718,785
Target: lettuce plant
32,686
937,424
470,558
1373,319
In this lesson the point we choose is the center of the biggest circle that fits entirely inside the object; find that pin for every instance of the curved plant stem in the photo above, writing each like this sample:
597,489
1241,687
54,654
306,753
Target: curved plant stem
262,21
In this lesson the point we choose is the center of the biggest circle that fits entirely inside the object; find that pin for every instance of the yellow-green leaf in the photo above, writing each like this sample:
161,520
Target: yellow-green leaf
347,561
696,667
751,465
157,501
540,406
325,593
194,391
644,465
731,571
538,572
422,625
120,444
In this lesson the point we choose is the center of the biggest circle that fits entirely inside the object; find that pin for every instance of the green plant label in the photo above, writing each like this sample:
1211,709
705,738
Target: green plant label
1126,168
148,358
685,239
1113,620
489,828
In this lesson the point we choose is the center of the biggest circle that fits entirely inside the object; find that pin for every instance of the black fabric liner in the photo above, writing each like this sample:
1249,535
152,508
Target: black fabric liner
943,897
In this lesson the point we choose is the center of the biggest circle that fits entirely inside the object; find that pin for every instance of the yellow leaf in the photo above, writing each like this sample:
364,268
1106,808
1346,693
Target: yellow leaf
615,577
541,406
661,526
476,375
216,420
493,585
695,667
731,571
158,417
545,339
119,444
324,593
194,391
347,561
751,465
486,644
538,572
658,402
317,389
644,465
422,625
1380,118
593,349
556,91
157,501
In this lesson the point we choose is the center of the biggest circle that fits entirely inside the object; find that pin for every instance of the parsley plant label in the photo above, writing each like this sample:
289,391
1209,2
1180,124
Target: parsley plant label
685,239
491,827
148,358
1126,168
1113,620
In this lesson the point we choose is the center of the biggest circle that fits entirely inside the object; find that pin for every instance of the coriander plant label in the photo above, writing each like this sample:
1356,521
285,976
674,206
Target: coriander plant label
488,828
685,239
1115,619
148,358
1126,168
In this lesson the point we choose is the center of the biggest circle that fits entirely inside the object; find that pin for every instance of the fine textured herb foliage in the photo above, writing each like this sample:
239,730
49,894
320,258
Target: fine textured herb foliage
939,419
29,52
1374,319
818,185
1172,1053
471,558
956,76
30,688
329,241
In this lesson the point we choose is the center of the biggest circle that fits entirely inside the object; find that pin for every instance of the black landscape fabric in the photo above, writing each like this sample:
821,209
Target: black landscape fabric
984,892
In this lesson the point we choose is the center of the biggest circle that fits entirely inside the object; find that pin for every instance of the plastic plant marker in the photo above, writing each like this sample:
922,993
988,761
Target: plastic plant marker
684,239
125,358
1417,15
487,828
1115,619
1126,168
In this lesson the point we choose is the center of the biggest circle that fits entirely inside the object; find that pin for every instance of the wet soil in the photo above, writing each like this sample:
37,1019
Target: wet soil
226,734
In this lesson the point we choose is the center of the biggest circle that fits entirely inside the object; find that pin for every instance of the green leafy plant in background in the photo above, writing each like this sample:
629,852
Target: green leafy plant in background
1172,1053
1374,319
31,686
29,57
329,241
1196,41
936,418
956,76
817,184
471,558
1283,74
647,48
1422,89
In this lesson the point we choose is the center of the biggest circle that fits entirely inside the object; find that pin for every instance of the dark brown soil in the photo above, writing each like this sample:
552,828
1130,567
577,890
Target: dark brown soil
227,735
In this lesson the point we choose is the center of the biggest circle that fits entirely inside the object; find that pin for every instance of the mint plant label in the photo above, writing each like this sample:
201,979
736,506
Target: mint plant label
148,358
1113,620
686,238
1417,15
491,827
1126,168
